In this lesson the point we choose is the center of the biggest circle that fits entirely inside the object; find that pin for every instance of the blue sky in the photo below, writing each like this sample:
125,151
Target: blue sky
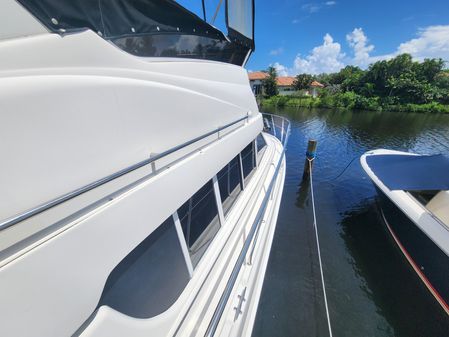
322,36
357,32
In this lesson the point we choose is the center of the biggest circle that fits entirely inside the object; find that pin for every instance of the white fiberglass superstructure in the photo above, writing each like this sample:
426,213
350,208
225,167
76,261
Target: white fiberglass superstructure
139,192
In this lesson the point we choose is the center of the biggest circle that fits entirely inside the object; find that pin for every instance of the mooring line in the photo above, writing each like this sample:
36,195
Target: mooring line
318,245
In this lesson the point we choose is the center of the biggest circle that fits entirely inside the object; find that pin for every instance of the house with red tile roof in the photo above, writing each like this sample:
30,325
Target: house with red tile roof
256,81
257,75
285,83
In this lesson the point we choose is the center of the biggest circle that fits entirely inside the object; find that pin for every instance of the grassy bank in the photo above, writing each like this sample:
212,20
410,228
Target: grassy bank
352,101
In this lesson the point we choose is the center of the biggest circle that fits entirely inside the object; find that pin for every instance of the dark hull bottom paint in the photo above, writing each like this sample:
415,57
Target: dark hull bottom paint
427,259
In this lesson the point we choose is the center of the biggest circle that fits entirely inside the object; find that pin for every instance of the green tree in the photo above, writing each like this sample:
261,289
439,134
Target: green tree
388,77
324,79
344,74
442,80
332,89
397,83
302,81
429,69
347,78
408,89
377,76
411,81
270,84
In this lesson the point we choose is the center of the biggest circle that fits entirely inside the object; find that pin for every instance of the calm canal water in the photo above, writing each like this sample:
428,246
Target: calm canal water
371,289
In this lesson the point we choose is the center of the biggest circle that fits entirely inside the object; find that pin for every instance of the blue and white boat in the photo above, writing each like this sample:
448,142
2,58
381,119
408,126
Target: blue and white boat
414,198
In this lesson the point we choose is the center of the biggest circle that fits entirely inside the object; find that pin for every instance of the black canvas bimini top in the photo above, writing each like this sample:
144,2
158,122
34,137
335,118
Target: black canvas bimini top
119,18
149,28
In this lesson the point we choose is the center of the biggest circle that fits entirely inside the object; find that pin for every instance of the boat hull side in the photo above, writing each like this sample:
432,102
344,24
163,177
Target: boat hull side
427,259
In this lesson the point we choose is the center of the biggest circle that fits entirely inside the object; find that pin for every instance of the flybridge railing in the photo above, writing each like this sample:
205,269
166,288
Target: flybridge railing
66,197
279,127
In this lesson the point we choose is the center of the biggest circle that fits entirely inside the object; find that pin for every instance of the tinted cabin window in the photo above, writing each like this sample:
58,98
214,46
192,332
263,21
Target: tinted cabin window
150,278
199,221
261,143
248,159
229,183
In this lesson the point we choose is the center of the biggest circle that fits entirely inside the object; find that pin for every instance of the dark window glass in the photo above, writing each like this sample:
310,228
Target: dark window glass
193,46
199,221
261,143
184,216
229,183
157,28
150,278
248,159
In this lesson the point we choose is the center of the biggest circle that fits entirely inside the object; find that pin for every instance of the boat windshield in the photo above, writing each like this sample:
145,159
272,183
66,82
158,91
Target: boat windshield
153,28
437,202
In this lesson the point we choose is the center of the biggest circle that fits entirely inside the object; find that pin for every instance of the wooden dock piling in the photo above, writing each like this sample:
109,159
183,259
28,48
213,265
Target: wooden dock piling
310,156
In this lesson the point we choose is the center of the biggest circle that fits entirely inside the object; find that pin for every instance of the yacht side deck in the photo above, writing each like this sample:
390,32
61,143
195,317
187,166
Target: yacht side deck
94,258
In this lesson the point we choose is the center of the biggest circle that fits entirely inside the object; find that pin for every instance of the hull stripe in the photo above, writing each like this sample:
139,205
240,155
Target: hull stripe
417,269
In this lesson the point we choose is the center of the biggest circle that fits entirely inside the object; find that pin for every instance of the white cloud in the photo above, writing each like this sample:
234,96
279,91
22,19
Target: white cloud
277,51
314,7
322,59
311,7
280,69
358,41
432,41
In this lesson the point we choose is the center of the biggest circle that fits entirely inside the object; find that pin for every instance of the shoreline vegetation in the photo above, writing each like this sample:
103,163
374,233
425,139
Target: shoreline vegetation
399,84
350,101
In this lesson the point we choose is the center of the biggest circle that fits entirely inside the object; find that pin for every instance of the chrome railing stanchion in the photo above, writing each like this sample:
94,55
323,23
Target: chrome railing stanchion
274,126
282,130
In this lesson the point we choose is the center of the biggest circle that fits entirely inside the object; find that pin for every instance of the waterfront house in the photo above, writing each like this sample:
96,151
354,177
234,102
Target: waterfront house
256,81
284,83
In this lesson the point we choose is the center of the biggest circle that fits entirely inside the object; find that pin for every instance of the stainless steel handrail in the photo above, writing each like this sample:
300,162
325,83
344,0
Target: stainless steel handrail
213,325
68,196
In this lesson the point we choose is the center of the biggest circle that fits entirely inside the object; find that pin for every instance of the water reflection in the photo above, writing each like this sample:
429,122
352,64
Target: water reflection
375,129
302,201
389,281
371,289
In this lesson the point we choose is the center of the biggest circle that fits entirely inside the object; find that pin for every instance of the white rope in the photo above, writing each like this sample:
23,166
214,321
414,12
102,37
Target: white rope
318,247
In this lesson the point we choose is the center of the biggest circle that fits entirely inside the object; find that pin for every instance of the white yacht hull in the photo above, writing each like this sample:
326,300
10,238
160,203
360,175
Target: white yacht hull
75,112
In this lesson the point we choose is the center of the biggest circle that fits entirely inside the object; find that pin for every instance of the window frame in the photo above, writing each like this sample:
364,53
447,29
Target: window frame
230,193
219,203
253,162
261,152
182,241
176,221
185,237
